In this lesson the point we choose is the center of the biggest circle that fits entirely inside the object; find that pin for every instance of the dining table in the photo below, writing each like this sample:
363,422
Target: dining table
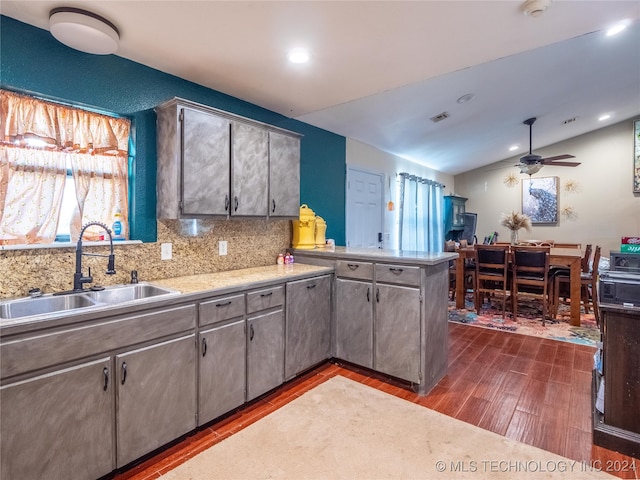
566,257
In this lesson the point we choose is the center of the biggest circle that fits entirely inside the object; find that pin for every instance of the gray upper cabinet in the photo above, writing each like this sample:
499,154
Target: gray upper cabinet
156,396
58,425
308,324
284,175
214,163
249,170
205,163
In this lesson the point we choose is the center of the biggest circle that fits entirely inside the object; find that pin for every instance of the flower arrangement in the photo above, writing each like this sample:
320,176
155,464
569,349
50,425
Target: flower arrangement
514,221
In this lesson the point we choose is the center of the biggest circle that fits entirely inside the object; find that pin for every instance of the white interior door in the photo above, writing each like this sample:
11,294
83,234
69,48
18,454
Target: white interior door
364,208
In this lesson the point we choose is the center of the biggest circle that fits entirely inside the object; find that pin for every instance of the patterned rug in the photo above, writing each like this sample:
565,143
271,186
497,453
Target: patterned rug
529,321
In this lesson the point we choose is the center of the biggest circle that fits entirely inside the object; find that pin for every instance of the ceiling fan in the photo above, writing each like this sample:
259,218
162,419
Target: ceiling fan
532,163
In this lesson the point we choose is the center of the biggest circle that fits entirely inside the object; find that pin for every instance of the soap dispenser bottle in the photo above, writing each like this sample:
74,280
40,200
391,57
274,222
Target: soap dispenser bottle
117,227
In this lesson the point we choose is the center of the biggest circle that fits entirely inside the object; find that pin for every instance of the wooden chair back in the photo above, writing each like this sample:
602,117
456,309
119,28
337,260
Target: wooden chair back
530,268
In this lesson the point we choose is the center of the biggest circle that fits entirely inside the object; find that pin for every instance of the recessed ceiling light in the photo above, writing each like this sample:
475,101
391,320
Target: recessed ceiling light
514,147
616,29
465,98
298,55
604,117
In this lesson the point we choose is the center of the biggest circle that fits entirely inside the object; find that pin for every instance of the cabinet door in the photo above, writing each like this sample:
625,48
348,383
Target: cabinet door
397,332
265,353
156,400
222,370
308,324
354,322
249,170
58,425
284,175
205,163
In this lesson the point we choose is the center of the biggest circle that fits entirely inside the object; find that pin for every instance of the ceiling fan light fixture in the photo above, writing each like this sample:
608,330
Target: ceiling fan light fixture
535,8
84,31
530,169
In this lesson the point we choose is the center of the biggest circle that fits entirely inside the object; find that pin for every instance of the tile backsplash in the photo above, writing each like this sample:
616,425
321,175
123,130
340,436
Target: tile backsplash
251,243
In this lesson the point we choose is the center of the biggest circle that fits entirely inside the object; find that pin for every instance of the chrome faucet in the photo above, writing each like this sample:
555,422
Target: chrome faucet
78,278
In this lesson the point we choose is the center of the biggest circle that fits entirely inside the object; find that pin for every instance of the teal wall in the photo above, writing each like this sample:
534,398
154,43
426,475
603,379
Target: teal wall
32,61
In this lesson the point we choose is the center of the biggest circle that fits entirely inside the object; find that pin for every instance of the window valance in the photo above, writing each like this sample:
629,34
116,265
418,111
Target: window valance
25,119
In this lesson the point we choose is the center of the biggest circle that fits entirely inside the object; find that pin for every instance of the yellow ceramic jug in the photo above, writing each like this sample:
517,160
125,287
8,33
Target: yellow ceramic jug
304,229
321,230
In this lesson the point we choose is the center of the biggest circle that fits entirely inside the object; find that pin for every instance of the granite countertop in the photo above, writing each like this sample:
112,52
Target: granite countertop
186,289
243,278
380,255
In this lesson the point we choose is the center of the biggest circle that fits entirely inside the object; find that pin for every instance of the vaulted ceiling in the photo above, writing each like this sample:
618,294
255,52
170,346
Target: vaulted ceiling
380,70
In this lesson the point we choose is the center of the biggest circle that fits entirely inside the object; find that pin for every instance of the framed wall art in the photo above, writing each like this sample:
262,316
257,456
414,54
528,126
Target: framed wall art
636,156
540,200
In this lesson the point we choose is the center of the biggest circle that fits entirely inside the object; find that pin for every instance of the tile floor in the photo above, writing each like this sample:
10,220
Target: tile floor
533,390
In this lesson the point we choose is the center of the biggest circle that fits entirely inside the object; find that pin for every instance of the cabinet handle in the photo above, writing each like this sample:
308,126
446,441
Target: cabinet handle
226,203
273,206
352,266
368,294
223,304
124,373
105,374
311,286
204,346
377,295
397,271
236,207
251,332
266,294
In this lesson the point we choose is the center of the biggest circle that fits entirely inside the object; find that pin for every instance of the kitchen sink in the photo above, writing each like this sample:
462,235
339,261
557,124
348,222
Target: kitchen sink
27,307
127,293
51,304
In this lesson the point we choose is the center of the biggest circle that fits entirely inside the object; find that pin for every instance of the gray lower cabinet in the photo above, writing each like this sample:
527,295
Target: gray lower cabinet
265,353
284,175
58,425
397,331
156,396
354,321
222,367
308,325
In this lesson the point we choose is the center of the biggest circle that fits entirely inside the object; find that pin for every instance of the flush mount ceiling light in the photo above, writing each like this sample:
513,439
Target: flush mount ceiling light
298,55
535,8
465,98
84,31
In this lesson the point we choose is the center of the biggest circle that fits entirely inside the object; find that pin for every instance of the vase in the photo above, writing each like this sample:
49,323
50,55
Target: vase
514,237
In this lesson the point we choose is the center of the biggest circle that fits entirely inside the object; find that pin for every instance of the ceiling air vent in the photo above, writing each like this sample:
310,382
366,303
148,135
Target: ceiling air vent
569,120
439,117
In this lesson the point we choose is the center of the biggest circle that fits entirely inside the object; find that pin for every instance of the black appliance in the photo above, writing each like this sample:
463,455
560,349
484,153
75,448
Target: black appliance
621,284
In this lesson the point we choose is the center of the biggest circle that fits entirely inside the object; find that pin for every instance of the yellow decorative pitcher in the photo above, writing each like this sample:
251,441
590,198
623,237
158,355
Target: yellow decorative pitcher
304,229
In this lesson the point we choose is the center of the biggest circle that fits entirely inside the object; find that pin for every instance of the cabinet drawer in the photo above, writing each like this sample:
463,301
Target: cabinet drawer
361,270
263,299
221,308
400,274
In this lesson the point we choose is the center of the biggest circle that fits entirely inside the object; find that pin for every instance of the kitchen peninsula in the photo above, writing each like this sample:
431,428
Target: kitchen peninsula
390,310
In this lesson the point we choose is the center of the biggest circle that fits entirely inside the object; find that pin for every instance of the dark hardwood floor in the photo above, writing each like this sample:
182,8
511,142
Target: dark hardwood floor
533,390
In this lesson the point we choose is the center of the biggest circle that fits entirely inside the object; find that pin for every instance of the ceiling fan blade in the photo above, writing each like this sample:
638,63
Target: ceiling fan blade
563,164
557,157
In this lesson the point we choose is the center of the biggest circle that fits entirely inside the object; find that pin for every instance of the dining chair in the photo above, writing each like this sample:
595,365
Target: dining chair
556,271
567,245
491,273
529,276
588,286
450,246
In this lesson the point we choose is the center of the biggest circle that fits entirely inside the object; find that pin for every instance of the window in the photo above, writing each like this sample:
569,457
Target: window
60,167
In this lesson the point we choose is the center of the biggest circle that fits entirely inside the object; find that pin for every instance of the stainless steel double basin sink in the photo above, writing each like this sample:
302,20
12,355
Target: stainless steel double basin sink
52,304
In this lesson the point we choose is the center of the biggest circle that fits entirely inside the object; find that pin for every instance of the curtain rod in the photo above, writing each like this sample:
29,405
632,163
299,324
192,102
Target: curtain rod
421,180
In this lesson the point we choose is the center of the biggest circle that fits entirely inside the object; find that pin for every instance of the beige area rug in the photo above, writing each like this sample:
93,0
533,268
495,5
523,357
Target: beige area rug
342,429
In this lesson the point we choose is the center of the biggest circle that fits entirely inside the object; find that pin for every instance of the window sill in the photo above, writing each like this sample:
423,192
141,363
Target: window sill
39,246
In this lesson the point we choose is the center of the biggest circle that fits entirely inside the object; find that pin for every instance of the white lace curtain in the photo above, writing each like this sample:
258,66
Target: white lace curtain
38,140
421,210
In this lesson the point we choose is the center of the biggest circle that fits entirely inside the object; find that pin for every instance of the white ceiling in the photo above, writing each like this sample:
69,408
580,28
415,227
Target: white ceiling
381,69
